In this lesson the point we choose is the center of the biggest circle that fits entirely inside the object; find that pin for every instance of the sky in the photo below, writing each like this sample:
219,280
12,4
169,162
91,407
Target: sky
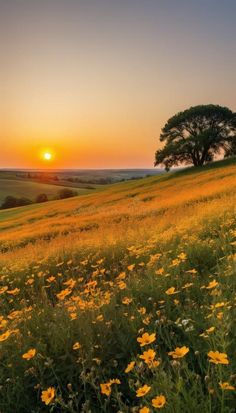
94,81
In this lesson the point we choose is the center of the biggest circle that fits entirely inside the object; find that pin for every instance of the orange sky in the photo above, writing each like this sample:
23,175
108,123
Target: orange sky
94,83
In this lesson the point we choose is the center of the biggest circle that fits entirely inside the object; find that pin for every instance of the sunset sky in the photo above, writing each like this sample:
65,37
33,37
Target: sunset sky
93,81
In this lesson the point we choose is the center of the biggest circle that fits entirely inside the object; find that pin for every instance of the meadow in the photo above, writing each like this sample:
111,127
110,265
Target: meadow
30,190
122,300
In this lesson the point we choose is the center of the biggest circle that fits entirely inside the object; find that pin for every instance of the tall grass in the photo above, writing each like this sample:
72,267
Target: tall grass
82,280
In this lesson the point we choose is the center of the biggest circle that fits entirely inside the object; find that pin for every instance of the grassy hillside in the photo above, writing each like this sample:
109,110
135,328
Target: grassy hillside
30,190
99,291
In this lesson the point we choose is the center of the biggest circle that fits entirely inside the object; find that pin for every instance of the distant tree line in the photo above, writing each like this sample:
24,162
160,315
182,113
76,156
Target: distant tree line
13,202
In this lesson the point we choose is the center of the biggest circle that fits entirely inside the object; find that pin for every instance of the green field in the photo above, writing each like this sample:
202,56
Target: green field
30,190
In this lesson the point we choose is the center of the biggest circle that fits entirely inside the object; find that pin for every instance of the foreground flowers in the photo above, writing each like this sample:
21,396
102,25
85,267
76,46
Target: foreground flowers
48,395
218,358
159,402
146,339
148,356
226,386
106,387
142,391
179,352
29,354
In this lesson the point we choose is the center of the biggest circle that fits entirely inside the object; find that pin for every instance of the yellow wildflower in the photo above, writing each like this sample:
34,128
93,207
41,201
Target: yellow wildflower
179,352
159,401
226,386
146,338
76,346
29,354
48,395
218,358
171,291
212,284
142,391
148,356
130,367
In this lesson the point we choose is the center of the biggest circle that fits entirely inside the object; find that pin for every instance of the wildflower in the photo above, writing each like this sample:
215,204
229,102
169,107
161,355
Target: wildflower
3,290
160,271
179,352
13,292
148,356
212,284
114,381
76,346
146,338
218,358
51,279
63,294
48,395
127,300
182,256
210,330
144,410
106,387
5,335
226,386
131,267
159,401
29,354
171,291
130,367
193,271
142,391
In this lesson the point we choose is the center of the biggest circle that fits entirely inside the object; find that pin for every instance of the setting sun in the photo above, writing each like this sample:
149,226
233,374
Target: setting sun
47,156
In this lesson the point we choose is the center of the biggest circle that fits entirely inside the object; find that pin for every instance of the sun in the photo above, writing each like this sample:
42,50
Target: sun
47,156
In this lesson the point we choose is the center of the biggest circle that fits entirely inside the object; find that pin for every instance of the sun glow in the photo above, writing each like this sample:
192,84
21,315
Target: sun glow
47,156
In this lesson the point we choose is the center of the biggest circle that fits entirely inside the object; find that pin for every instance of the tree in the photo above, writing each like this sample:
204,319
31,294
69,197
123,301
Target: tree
41,198
66,193
196,135
13,202
9,202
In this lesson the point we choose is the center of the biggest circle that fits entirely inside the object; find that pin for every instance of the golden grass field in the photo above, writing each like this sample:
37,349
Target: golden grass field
122,300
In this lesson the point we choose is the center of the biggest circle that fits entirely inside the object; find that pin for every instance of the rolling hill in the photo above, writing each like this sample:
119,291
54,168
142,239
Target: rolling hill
122,299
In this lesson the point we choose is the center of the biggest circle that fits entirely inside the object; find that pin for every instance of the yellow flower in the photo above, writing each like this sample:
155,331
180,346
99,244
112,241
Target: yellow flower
218,358
226,386
146,338
13,292
29,354
130,367
159,401
148,356
5,335
63,294
48,395
131,267
210,330
142,391
126,300
179,352
76,346
212,284
106,387
182,256
144,410
171,291
3,289
114,381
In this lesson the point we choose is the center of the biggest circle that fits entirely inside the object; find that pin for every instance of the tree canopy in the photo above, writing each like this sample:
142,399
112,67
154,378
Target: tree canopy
196,135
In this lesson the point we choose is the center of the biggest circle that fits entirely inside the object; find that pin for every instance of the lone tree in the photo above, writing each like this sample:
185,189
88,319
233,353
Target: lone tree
196,135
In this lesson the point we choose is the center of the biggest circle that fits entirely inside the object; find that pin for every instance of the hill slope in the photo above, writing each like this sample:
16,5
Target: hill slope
83,279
